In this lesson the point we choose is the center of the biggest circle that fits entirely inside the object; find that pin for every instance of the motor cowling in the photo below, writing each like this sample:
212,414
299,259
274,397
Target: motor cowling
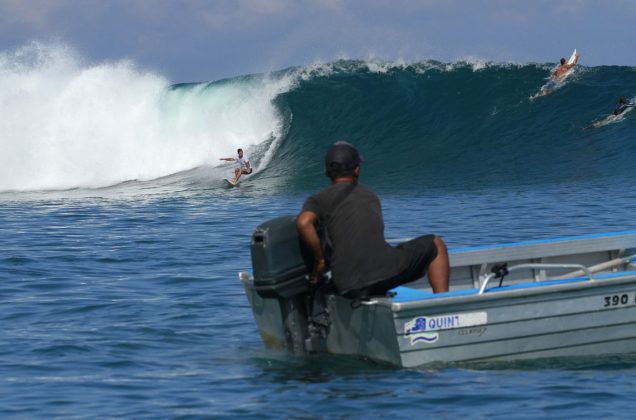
280,259
281,264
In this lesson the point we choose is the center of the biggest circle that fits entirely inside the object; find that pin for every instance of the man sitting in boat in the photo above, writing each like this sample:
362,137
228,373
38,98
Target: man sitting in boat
361,261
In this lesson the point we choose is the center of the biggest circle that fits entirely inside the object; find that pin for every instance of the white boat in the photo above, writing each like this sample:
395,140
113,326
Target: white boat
562,297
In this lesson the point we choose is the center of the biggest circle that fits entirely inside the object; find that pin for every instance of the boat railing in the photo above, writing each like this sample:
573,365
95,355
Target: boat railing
535,266
581,269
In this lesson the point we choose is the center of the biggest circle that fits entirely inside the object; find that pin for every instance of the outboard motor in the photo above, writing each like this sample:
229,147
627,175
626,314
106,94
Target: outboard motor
281,264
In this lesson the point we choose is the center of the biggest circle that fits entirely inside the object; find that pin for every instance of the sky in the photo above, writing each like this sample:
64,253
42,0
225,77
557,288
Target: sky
200,40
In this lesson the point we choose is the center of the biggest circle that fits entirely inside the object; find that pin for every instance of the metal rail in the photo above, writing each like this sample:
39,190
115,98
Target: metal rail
536,266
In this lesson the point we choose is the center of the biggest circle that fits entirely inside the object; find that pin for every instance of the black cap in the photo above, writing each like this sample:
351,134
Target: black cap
344,154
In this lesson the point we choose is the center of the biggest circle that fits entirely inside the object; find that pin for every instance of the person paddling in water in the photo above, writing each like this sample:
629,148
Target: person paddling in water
558,74
622,105
564,67
245,168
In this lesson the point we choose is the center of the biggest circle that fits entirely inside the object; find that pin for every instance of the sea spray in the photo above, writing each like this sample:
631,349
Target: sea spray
67,123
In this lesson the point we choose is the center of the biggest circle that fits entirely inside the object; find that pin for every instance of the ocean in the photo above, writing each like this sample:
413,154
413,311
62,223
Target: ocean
120,244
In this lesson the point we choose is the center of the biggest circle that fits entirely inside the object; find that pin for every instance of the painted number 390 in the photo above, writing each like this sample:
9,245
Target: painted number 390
616,300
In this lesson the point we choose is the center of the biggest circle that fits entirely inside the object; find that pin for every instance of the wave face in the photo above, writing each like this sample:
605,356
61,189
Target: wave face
69,124
461,126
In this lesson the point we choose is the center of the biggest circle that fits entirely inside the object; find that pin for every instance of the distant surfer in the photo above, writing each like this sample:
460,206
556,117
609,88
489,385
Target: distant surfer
245,168
622,105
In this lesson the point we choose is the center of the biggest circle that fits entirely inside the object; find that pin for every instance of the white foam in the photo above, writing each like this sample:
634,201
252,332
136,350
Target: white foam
379,66
66,123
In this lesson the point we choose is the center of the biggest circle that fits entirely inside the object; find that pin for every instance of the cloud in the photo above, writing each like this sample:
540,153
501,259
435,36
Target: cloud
35,13
220,38
264,7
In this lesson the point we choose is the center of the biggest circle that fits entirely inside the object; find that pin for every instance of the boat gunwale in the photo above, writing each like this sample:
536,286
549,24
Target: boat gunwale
542,248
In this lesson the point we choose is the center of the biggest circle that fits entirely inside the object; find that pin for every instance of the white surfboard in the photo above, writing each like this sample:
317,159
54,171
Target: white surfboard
572,57
230,182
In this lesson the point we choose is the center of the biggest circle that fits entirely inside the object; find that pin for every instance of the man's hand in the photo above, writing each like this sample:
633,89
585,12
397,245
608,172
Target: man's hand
318,271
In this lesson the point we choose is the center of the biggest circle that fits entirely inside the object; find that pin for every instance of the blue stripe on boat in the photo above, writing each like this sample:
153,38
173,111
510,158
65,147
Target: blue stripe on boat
408,294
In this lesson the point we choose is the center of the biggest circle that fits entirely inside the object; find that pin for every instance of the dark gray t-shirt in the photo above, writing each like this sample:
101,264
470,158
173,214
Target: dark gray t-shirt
361,256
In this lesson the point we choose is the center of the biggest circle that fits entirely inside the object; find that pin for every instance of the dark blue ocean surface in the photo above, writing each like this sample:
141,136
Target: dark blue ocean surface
124,300
131,307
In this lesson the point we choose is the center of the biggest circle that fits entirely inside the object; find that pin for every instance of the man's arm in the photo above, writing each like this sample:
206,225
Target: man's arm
230,159
562,69
306,225
569,66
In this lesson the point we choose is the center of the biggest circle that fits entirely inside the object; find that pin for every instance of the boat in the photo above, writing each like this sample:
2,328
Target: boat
552,298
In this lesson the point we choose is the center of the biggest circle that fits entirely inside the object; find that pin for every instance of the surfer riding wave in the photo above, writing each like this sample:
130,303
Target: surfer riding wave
245,168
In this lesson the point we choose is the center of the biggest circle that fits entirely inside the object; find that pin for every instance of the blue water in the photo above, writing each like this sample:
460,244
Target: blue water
123,300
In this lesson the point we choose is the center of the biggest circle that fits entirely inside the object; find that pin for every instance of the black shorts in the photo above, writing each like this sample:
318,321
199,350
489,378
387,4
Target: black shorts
246,172
419,253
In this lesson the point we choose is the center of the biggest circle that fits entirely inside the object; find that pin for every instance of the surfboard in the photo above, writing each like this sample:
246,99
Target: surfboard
230,182
572,57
